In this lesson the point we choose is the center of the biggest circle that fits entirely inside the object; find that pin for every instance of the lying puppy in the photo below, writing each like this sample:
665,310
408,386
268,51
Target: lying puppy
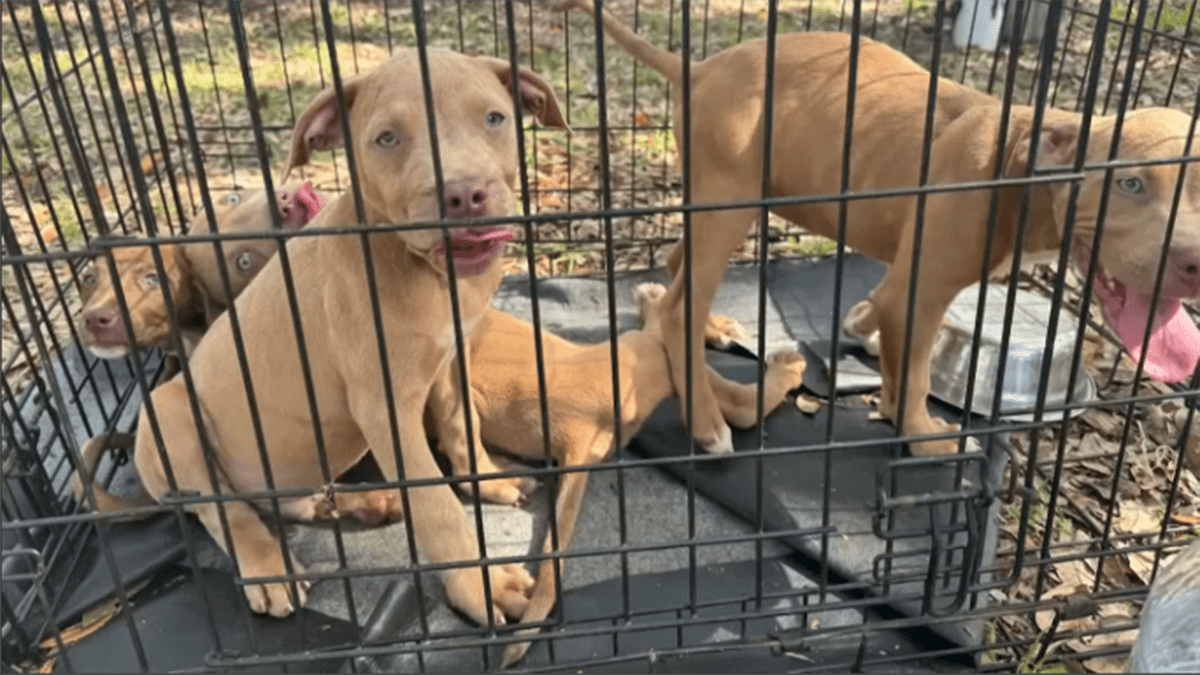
386,115
728,98
506,408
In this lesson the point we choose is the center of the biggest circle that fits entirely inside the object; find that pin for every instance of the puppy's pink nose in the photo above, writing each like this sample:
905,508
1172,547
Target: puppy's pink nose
466,199
100,318
1186,265
285,203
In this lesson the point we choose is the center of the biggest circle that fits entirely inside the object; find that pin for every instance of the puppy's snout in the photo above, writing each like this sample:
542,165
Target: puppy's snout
1186,266
101,319
466,199
285,203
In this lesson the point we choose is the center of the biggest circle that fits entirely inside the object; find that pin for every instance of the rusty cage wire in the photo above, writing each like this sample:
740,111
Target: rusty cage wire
821,544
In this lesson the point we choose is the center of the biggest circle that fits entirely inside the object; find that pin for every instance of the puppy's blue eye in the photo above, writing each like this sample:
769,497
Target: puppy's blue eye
1131,185
150,281
387,139
495,119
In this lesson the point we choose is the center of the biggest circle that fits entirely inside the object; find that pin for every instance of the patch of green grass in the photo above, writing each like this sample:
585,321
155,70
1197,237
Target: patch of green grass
72,231
812,246
1171,15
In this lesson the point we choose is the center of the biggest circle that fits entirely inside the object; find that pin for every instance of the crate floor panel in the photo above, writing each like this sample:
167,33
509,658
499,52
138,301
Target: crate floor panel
656,507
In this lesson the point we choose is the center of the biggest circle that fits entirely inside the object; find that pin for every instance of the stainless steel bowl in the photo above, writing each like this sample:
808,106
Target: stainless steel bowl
1027,340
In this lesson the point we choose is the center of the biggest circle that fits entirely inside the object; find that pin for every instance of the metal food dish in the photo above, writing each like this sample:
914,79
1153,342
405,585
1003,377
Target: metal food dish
1027,339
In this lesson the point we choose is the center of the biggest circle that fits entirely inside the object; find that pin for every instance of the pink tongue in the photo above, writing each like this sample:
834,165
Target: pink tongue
502,234
1174,343
312,201
475,240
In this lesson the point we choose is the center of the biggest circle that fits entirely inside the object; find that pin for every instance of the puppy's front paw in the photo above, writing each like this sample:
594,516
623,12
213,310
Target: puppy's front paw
787,364
512,491
941,447
719,444
510,586
273,598
371,507
648,294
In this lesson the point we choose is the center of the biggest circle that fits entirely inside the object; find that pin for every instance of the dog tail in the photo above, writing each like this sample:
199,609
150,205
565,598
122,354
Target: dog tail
106,502
659,59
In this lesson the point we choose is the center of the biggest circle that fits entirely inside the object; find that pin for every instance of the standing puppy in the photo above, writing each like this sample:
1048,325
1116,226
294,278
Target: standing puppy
812,69
337,308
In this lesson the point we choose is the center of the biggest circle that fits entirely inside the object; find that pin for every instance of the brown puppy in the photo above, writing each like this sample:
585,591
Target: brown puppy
386,115
244,212
728,99
101,326
506,408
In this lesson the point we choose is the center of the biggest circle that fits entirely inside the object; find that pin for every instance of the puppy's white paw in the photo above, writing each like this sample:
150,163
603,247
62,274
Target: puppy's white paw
723,444
648,294
871,344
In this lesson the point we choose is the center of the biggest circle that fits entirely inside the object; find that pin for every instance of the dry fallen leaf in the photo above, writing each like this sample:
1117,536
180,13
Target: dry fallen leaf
1103,421
92,620
1183,519
1135,516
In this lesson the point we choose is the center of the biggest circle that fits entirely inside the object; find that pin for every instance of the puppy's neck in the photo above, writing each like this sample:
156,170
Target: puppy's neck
1044,232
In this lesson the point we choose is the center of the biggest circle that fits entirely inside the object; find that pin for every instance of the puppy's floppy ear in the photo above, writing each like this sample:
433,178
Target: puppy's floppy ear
318,127
537,96
1058,144
209,309
183,282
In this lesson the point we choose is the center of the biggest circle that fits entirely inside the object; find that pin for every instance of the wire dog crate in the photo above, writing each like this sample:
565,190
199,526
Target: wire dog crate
820,545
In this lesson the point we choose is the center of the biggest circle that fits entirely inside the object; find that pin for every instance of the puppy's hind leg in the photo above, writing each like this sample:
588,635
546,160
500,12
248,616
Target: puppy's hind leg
446,408
256,551
720,331
722,232
586,446
106,502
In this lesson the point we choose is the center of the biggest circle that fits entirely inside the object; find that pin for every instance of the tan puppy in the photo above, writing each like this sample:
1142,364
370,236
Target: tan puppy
385,112
194,280
371,507
728,99
191,276
506,408
102,328
244,212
